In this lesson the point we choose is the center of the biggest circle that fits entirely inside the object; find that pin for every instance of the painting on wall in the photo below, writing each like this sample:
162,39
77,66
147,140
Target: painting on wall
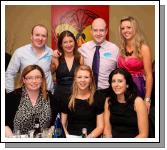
76,19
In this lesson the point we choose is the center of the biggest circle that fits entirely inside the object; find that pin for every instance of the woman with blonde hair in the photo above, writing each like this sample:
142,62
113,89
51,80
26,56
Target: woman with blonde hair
85,108
30,102
135,56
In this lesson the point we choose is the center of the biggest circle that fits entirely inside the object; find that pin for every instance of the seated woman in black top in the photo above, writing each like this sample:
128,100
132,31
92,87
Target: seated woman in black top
84,109
31,101
125,114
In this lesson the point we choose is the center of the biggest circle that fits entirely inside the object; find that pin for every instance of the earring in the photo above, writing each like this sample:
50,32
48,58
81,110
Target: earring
127,86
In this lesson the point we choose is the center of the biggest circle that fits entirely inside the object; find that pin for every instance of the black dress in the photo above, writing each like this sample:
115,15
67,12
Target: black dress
83,115
123,120
64,80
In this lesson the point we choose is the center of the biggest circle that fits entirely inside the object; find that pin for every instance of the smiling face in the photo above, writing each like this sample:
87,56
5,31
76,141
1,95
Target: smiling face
83,80
33,80
127,30
68,44
118,84
39,37
99,31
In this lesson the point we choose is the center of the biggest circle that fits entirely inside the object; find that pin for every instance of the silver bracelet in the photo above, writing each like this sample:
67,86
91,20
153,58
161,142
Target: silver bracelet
147,99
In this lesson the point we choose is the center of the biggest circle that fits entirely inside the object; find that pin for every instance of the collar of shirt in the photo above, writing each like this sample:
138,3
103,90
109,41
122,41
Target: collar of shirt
47,50
93,44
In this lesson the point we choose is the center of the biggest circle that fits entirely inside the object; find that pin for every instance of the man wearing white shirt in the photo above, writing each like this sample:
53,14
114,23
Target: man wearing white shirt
108,53
35,53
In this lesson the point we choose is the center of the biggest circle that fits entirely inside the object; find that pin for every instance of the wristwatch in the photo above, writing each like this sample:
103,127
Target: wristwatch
147,99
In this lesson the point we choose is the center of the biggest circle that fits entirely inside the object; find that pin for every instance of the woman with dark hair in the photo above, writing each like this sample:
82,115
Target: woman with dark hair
30,102
125,114
64,66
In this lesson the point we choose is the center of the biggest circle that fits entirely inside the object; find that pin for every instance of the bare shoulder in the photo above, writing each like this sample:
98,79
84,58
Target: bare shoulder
107,102
138,100
54,59
145,48
81,60
54,63
139,103
107,99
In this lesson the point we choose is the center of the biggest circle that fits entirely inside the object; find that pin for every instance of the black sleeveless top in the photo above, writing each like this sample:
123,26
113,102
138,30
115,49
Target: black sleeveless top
123,120
83,115
63,75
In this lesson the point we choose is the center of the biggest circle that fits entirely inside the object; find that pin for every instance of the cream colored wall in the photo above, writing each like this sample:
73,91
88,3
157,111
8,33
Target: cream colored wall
20,19
143,14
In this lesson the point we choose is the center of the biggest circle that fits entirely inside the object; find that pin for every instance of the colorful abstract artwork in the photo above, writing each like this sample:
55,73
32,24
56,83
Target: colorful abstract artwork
76,19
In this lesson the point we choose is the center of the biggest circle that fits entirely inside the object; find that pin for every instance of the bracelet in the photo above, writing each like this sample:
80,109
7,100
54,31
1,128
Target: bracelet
147,99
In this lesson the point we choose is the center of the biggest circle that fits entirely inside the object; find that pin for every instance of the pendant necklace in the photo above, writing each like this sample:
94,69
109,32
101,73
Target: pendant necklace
128,53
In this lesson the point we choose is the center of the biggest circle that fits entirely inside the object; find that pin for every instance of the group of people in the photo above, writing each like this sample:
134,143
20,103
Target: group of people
98,86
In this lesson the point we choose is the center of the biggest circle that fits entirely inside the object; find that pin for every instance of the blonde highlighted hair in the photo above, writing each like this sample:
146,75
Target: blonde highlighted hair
92,86
30,68
139,39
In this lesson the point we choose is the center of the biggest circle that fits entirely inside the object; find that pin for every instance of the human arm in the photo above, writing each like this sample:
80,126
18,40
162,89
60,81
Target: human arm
81,60
107,125
12,101
54,64
11,72
8,132
64,122
142,117
146,55
99,127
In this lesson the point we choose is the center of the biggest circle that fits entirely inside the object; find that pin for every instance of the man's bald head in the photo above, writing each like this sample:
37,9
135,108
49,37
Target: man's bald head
99,21
99,30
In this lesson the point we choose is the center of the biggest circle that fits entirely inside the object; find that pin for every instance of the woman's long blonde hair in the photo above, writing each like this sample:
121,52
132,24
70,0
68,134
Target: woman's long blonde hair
92,87
30,68
139,39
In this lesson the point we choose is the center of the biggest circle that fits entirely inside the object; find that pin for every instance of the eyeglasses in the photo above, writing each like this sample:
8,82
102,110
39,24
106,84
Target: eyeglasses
31,78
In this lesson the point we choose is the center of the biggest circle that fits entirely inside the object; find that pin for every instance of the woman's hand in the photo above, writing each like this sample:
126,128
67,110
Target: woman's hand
8,132
148,104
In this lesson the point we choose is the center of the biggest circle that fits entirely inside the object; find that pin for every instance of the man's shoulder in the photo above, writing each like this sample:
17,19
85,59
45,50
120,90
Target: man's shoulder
111,47
86,46
89,43
49,48
111,44
22,48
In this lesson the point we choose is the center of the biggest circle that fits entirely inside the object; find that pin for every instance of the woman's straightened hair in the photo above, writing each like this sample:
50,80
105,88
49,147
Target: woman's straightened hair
131,91
30,68
60,48
139,38
92,87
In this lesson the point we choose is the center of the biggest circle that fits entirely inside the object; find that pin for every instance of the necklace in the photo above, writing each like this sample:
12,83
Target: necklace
128,53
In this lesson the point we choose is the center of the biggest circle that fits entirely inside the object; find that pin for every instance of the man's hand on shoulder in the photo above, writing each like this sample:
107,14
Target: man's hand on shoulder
56,53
